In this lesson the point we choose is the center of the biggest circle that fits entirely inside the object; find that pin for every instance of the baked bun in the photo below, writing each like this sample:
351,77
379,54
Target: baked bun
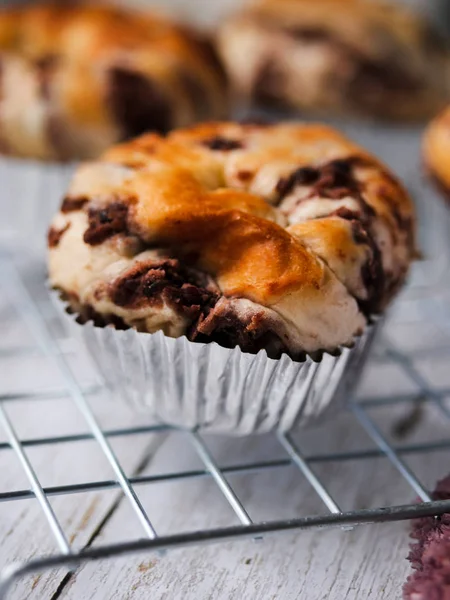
349,57
77,78
284,237
436,151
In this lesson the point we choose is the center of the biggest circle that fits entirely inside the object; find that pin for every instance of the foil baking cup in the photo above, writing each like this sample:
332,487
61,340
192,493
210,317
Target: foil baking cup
30,195
205,386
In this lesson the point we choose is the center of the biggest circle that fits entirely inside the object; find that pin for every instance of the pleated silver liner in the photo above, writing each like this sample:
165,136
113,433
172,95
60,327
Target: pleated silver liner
30,195
192,385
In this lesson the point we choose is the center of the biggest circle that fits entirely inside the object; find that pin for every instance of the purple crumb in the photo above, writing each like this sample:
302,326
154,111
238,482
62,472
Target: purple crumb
430,554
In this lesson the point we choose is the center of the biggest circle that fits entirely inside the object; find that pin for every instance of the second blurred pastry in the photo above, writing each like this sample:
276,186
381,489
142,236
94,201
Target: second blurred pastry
76,78
355,57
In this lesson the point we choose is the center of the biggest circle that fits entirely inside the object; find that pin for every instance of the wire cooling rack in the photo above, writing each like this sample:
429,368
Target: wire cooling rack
24,302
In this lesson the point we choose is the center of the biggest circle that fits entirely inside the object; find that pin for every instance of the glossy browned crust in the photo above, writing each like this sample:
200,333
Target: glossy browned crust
207,222
233,230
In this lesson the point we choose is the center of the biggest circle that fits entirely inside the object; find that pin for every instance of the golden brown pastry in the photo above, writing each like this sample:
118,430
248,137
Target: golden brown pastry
77,78
284,237
436,150
373,59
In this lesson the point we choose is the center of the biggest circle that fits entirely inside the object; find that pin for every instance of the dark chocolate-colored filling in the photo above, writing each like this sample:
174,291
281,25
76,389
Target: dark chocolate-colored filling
191,294
223,326
384,74
244,175
137,103
54,235
72,204
206,49
311,35
186,290
372,272
106,222
301,176
221,143
373,82
334,180
268,86
45,67
88,313
370,86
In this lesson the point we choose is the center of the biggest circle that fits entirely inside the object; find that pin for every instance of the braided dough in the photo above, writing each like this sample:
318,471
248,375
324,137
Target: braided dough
436,149
75,79
366,58
283,237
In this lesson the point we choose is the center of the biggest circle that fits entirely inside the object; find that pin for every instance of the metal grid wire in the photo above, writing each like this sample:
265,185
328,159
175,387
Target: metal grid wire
34,315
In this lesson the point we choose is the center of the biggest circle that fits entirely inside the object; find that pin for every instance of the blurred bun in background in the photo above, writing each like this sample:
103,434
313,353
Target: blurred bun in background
356,57
77,78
